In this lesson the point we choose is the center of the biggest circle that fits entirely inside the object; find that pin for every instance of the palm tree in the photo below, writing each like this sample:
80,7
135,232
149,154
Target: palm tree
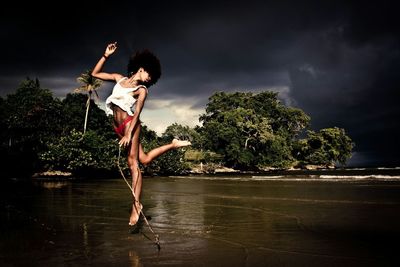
89,85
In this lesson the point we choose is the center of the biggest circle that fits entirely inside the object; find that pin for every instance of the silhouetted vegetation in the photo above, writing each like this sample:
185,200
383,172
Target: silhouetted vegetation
245,131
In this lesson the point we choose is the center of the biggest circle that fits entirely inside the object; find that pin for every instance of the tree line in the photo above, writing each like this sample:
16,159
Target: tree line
245,131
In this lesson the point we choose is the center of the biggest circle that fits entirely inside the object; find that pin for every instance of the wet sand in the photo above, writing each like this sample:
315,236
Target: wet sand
202,221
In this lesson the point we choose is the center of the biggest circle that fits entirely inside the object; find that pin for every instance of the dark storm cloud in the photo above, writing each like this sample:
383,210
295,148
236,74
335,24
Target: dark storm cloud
337,60
351,80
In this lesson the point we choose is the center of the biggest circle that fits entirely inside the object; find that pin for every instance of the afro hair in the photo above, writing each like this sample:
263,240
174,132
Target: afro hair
149,62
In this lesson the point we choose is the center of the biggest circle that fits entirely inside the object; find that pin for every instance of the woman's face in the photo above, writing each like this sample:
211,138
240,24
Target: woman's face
145,76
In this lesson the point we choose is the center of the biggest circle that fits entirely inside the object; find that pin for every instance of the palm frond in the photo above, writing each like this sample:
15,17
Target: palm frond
89,83
80,89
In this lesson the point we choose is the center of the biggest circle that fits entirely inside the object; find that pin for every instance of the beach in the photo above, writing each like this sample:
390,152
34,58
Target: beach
225,220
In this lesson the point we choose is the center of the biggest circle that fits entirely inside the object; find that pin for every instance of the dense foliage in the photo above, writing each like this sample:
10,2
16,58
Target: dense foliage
31,118
78,152
326,146
252,130
41,132
240,130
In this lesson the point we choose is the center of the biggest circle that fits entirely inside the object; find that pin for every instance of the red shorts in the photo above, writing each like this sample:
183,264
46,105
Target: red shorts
120,130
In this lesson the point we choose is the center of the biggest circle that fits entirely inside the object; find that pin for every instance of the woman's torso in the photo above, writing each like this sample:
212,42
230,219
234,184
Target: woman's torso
122,96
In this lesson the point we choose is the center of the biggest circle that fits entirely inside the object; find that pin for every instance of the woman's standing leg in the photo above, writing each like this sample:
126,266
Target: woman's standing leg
133,163
137,154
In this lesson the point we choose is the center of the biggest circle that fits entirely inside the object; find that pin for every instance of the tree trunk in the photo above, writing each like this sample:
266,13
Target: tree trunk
87,112
245,143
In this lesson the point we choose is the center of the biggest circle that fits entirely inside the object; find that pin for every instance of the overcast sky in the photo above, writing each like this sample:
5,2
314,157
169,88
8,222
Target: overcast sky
337,60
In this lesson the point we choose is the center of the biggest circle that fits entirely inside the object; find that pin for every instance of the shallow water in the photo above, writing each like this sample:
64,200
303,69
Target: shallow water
203,221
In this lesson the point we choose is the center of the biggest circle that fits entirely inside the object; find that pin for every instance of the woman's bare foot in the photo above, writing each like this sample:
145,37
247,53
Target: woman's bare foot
180,143
135,214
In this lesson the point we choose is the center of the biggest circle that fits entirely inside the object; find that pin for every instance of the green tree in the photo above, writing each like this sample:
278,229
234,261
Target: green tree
73,109
32,118
326,147
285,121
89,84
251,130
81,153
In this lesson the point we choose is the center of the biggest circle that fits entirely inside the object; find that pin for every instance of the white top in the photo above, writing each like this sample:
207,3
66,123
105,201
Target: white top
121,97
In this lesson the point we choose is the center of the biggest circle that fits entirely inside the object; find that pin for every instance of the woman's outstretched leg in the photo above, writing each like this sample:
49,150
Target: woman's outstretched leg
146,158
133,164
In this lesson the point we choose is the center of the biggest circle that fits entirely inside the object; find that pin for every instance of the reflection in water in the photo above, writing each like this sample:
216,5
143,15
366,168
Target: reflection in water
134,259
183,210
85,240
51,184
202,222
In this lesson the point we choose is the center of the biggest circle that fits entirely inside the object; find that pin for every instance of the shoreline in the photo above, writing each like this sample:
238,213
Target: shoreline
346,171
51,174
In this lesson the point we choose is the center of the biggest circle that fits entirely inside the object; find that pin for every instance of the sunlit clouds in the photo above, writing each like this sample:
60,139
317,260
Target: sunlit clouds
159,114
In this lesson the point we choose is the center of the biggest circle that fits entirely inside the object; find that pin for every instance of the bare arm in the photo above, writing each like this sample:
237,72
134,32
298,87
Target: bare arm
126,139
97,71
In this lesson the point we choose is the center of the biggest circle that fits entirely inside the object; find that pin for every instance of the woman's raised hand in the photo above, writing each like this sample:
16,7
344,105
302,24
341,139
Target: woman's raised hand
110,49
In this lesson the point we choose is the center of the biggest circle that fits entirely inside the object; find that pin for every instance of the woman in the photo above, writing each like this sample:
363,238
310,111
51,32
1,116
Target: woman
125,104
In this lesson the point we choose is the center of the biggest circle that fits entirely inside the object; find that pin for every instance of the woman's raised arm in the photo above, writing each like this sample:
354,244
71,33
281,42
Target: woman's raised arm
97,71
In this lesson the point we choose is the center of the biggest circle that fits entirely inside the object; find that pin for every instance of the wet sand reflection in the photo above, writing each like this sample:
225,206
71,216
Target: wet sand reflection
202,222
